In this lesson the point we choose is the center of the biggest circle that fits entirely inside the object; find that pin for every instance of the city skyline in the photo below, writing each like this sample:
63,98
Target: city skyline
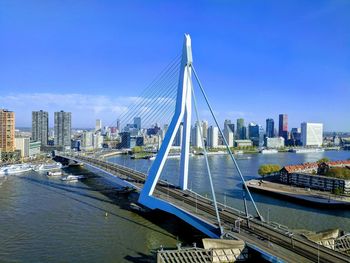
288,60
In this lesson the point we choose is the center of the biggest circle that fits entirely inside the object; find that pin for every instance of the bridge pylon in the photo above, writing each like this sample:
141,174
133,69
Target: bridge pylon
182,115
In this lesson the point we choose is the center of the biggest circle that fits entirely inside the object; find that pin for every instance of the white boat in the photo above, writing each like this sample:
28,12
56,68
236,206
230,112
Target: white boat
48,167
268,151
307,150
15,169
56,173
72,178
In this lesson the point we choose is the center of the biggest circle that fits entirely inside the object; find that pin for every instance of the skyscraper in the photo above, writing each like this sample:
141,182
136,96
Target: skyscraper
40,126
7,131
196,139
213,136
283,126
239,129
205,129
270,128
311,134
256,134
228,132
63,125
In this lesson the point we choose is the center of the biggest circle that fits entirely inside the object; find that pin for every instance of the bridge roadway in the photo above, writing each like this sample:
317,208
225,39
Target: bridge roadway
270,237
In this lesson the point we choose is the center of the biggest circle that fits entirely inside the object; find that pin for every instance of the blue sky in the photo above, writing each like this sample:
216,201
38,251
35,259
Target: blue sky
256,59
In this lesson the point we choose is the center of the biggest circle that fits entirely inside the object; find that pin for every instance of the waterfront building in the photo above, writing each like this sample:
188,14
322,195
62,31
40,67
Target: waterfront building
22,145
239,129
256,134
178,136
7,131
196,140
283,126
125,139
295,137
274,143
98,126
137,123
312,134
270,128
40,126
205,129
213,136
243,143
97,140
228,132
63,124
244,133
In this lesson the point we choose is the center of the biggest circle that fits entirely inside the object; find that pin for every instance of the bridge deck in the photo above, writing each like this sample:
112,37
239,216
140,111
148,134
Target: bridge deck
271,239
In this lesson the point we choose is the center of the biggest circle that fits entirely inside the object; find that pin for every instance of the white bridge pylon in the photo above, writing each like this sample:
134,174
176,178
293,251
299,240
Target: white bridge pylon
182,115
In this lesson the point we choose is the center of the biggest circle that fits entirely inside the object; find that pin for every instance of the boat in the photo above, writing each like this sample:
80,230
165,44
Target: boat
268,151
307,150
15,169
48,167
55,173
72,178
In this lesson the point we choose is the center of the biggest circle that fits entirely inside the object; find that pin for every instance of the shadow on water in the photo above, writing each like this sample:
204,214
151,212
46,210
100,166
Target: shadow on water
174,227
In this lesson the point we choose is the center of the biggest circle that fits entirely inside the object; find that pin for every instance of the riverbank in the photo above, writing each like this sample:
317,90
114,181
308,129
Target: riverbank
300,195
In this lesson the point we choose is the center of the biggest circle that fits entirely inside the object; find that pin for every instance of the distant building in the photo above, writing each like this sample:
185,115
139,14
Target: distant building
7,131
98,126
196,139
178,136
256,134
283,126
270,128
137,123
295,137
63,125
87,140
311,134
205,129
34,148
213,136
97,140
125,139
228,132
274,143
40,126
239,129
22,144
244,133
243,143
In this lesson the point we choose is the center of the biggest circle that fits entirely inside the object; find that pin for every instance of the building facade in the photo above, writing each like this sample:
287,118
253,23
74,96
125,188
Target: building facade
283,126
312,134
270,128
7,131
22,144
239,129
40,126
274,143
213,136
63,125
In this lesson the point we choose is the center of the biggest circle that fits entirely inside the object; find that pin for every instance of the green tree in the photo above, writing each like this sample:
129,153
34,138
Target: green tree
266,169
323,160
137,149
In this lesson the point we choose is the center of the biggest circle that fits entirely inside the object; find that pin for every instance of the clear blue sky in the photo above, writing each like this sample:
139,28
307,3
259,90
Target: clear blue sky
256,58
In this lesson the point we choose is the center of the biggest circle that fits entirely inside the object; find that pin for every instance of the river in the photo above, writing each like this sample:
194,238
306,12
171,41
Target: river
47,220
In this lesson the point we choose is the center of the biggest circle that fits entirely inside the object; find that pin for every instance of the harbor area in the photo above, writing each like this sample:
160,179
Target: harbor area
272,187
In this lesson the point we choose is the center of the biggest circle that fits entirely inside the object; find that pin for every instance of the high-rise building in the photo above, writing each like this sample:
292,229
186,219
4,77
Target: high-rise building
22,144
205,129
7,131
311,134
137,123
213,136
118,125
98,126
283,126
270,128
178,136
63,125
40,126
239,129
256,134
228,132
295,137
196,139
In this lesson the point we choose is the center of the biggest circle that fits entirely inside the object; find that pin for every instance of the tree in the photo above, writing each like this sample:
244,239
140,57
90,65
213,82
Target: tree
266,169
137,149
323,160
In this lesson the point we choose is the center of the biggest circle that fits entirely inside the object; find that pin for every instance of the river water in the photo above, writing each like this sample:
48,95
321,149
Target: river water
47,220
